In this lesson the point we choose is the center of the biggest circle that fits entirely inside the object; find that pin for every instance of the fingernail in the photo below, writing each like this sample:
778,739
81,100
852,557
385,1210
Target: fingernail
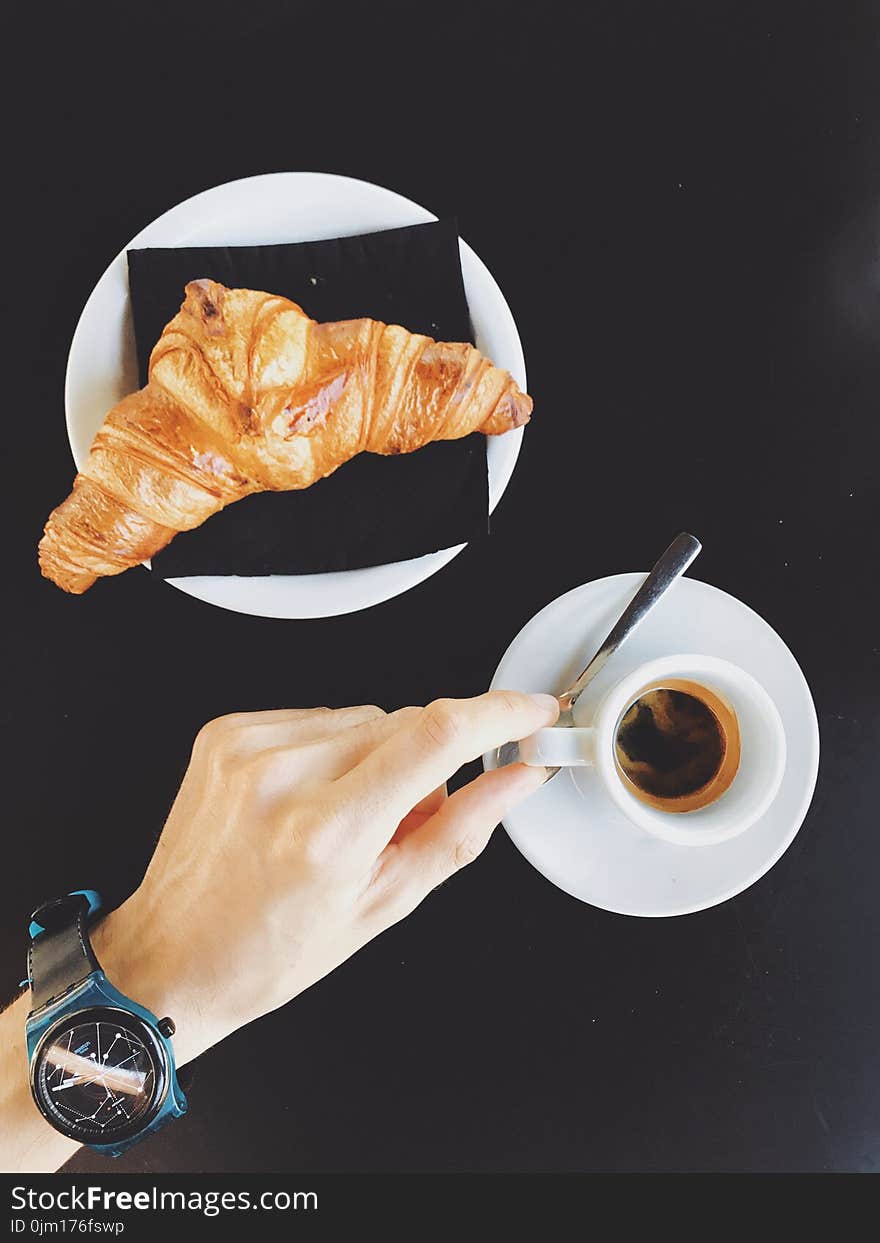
537,777
548,704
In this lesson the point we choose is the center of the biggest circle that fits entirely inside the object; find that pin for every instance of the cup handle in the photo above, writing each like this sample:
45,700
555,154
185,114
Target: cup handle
561,746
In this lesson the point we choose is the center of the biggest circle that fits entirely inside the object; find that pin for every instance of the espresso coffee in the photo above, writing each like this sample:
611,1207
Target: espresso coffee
677,746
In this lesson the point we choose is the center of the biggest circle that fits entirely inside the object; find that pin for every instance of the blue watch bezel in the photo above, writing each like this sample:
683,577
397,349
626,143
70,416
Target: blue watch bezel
93,992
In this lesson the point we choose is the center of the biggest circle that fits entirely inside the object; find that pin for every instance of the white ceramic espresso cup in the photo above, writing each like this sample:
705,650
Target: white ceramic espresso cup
591,742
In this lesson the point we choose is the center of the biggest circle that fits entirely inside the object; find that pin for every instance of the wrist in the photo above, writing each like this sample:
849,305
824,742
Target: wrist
139,957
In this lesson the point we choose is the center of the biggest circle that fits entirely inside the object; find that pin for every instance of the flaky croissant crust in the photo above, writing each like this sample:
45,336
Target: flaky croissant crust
247,394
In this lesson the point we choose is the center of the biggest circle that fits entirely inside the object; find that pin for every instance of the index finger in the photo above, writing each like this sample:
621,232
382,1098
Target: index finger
405,768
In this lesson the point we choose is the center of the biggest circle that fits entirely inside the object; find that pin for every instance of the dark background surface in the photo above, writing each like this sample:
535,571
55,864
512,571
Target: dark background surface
681,203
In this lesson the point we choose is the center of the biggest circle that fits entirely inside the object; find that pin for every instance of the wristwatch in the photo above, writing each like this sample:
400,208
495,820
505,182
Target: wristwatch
101,1066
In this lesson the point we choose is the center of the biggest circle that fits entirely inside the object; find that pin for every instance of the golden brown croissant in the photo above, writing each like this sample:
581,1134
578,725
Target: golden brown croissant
247,394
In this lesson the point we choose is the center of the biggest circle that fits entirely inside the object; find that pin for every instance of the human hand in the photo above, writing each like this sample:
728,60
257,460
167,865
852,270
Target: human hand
296,837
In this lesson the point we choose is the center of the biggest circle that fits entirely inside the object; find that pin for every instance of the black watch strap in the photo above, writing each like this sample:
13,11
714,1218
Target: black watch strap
60,956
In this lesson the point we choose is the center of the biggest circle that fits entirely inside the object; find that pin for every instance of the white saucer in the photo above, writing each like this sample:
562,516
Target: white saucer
574,834
280,207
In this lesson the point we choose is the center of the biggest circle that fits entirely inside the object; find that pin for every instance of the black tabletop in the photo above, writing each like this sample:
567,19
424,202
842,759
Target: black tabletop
680,202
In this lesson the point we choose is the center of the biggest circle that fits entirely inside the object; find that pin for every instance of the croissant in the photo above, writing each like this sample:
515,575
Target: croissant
247,394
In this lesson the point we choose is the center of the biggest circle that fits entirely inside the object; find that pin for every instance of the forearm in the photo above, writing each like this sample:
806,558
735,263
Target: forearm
27,1142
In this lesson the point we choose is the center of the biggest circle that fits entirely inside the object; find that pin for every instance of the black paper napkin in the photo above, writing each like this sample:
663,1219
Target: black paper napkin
372,510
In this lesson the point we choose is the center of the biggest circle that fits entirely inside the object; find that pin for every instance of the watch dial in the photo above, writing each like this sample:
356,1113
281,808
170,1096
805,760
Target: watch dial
97,1076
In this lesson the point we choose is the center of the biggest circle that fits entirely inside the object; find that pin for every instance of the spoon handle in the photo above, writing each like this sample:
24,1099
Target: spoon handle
671,566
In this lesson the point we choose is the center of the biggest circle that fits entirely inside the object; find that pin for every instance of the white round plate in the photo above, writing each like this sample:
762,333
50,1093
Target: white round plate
280,207
574,834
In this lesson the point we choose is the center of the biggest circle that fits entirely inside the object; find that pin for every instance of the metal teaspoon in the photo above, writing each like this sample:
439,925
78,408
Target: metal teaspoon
675,560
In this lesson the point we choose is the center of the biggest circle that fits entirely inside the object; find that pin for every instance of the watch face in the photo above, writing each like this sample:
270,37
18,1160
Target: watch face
98,1075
